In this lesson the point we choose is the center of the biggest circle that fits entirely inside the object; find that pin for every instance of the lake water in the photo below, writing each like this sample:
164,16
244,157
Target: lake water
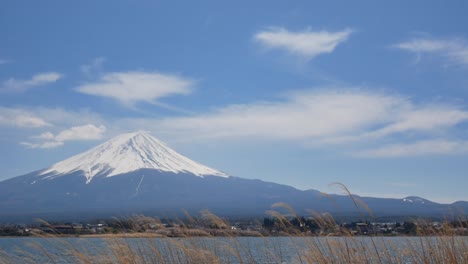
232,250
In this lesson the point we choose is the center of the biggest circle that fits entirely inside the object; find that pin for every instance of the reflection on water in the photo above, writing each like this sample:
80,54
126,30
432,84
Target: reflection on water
225,250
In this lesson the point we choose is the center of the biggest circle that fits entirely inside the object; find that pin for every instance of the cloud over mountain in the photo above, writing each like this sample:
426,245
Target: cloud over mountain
76,133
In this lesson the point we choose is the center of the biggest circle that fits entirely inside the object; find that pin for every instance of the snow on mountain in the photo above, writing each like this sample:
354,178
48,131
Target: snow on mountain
415,200
135,173
127,153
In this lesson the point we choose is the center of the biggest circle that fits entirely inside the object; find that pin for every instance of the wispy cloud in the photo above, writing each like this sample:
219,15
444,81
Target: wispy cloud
411,118
306,43
3,61
420,148
354,117
455,50
66,117
20,118
320,117
300,115
92,67
424,118
43,145
131,87
35,117
77,133
55,119
45,135
40,79
363,123
86,132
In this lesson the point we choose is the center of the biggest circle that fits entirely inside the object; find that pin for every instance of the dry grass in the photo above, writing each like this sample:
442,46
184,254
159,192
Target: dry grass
431,245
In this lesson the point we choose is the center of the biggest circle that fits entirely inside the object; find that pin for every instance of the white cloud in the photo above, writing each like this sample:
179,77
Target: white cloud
305,43
55,118
413,118
63,117
29,121
299,116
40,79
456,50
34,117
131,87
20,118
43,145
2,61
45,135
427,118
86,132
95,65
319,117
427,147
77,133
353,118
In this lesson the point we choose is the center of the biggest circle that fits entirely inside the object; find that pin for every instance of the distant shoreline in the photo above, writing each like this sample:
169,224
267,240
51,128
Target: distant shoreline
142,235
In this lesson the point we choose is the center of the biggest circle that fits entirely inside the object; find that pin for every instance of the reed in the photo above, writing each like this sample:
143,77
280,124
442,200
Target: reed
219,244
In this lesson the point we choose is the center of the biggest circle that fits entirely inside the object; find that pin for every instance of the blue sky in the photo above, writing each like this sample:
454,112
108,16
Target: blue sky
373,95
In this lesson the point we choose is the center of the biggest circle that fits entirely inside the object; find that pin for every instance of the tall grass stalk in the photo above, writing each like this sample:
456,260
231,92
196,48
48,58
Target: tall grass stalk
222,245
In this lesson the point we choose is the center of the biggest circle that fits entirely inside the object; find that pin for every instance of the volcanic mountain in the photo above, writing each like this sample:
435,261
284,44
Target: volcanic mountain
136,173
127,153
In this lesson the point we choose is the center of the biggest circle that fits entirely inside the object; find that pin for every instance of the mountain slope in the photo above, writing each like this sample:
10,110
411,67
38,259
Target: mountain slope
127,153
136,173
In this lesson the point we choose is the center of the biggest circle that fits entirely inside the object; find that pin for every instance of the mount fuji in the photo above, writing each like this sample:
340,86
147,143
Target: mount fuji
135,173
127,153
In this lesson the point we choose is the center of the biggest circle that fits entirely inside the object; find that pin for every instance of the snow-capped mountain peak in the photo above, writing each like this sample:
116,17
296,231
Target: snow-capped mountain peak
127,153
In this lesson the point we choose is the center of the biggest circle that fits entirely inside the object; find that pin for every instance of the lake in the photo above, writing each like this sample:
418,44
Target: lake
235,250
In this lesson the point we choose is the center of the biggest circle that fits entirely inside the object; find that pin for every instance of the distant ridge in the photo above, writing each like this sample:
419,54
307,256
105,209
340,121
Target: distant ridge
135,173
